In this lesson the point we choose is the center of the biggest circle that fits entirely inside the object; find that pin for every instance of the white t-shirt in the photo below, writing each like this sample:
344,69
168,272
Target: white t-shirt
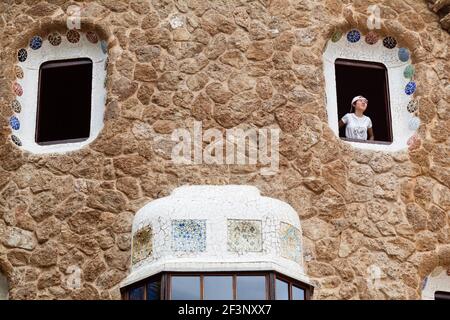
356,127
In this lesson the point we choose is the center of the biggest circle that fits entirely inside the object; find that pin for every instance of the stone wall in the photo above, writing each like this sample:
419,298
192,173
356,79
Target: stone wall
227,63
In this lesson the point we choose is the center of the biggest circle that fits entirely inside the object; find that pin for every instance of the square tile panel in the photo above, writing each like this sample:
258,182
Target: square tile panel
291,244
189,235
142,244
244,235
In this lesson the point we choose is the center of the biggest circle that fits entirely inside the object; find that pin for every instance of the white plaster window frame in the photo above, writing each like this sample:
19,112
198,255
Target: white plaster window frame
399,100
438,280
30,85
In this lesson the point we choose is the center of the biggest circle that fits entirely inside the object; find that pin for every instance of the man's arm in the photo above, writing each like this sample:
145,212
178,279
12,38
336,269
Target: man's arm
370,132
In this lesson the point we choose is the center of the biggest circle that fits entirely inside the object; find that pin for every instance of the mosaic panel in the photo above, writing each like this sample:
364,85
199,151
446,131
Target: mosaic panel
17,89
336,36
244,235
353,36
189,235
14,123
18,72
35,42
413,105
372,38
92,37
410,88
409,72
389,42
142,244
55,39
403,54
15,106
291,243
413,143
414,123
22,55
73,36
16,140
104,46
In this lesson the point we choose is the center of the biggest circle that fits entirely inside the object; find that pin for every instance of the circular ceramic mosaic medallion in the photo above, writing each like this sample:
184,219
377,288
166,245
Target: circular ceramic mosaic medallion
17,89
353,36
35,42
413,142
14,123
403,54
372,37
73,36
337,35
22,55
414,123
409,72
104,46
54,39
16,140
15,106
92,37
18,72
410,88
413,105
390,42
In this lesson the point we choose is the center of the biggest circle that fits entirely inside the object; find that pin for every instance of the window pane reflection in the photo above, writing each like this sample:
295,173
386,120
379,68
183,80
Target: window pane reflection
251,288
185,288
137,293
218,288
281,290
298,293
154,290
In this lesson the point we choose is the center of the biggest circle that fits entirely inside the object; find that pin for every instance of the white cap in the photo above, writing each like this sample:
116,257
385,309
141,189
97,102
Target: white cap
358,98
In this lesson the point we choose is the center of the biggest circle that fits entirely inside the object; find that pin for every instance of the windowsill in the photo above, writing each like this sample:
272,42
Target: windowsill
47,143
366,141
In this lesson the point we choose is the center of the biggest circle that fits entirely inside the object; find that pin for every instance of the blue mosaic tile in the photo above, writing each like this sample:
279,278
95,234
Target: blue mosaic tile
389,42
291,242
35,42
353,36
104,46
414,123
410,88
14,123
22,55
189,235
403,54
16,140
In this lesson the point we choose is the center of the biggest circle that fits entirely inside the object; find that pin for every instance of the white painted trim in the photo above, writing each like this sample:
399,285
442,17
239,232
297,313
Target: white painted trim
397,82
438,280
29,83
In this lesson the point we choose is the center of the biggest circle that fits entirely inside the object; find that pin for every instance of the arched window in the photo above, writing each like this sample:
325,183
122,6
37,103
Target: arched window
378,69
59,92
3,287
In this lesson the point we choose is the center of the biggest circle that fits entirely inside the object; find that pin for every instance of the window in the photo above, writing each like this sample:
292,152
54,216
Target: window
441,295
372,65
59,92
369,79
63,116
218,286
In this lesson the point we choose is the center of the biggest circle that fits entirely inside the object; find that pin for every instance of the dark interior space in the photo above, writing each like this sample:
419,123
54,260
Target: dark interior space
370,80
64,101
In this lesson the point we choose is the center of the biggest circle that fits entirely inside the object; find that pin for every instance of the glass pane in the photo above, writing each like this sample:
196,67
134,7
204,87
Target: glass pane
251,288
281,290
137,293
218,288
298,293
154,290
185,288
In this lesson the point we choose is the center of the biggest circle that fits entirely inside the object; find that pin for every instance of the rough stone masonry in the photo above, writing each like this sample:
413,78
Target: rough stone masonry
227,63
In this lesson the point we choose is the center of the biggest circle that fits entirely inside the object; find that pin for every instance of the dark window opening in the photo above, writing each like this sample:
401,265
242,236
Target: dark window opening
442,295
64,101
218,286
370,80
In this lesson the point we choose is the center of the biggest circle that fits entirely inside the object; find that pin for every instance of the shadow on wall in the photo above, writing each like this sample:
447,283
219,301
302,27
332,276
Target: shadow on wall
3,287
